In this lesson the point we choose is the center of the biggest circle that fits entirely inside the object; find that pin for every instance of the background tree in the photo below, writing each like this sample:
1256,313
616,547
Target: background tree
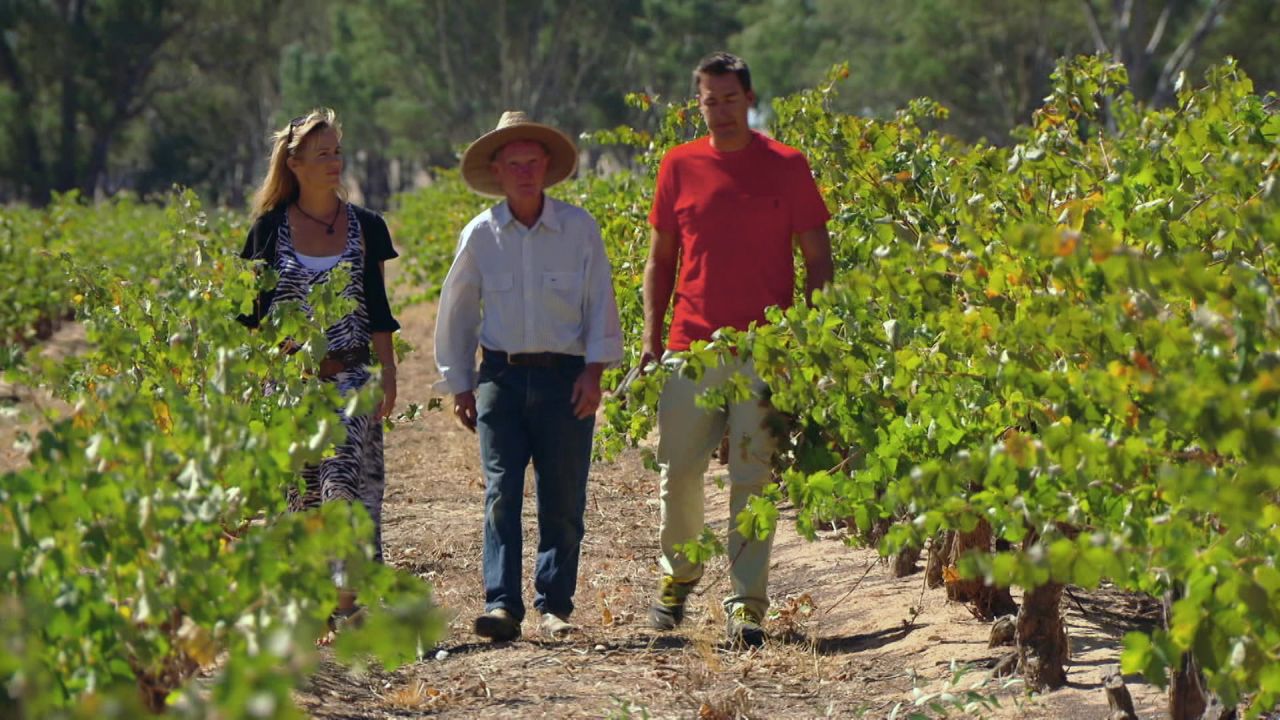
139,95
989,62
1156,41
434,76
68,108
1246,31
142,94
210,129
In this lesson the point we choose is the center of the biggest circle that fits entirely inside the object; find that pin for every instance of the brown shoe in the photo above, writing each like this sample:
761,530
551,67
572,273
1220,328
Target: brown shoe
498,625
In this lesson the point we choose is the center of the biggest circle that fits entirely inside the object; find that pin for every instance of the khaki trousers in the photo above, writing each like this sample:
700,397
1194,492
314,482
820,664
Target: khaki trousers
688,435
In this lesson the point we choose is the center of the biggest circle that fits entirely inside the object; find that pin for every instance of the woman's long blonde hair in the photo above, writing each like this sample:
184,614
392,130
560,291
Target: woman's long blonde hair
280,186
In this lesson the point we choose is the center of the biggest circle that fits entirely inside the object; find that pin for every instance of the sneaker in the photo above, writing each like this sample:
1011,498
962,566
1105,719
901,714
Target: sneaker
556,626
498,625
744,628
667,612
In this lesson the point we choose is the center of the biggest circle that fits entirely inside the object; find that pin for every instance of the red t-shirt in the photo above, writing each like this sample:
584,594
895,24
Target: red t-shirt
734,214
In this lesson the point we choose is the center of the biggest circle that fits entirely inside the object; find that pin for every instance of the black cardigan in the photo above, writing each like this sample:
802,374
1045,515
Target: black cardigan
261,246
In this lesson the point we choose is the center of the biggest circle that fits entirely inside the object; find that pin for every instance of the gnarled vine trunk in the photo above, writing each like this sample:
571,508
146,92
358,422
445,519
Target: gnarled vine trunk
1042,638
904,563
939,545
987,602
1189,699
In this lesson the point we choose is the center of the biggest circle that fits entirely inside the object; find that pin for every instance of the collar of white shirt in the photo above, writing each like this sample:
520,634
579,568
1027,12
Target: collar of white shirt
502,215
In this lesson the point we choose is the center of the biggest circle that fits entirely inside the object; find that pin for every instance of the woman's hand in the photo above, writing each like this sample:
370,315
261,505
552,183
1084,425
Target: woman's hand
388,393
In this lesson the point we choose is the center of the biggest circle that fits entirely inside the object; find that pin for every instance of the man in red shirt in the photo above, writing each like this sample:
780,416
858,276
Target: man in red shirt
726,213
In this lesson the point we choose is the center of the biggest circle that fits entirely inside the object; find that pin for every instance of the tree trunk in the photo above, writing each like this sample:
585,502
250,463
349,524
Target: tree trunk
1183,55
1132,45
69,107
33,180
95,169
1042,638
987,603
67,146
375,185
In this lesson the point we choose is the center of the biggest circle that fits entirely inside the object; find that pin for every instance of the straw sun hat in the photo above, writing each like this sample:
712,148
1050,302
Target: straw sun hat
515,125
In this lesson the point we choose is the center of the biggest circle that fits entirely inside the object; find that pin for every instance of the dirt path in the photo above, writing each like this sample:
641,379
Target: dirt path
857,654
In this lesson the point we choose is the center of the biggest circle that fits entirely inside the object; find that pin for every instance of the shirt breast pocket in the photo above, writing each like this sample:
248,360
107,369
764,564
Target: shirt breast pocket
764,206
563,292
765,219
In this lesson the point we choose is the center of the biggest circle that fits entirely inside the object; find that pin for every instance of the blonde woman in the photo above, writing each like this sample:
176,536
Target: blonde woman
302,229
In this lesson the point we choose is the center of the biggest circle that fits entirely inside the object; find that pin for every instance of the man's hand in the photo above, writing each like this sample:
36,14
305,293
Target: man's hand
652,351
388,393
819,269
464,408
585,397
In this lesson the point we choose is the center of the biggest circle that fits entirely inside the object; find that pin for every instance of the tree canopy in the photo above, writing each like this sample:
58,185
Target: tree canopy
143,94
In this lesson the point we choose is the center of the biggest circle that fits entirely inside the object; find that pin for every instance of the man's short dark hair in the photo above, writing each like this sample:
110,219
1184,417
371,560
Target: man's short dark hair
723,63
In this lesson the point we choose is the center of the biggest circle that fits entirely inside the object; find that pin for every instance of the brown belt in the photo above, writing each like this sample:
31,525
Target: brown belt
541,359
338,360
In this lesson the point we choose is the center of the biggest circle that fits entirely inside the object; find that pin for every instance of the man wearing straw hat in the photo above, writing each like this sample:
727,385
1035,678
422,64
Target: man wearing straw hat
531,286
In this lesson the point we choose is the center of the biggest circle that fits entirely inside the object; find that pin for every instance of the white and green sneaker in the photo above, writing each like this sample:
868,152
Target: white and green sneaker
667,611
744,628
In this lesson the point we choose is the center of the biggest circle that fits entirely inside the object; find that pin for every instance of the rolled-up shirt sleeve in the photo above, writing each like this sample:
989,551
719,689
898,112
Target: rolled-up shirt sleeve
600,312
458,325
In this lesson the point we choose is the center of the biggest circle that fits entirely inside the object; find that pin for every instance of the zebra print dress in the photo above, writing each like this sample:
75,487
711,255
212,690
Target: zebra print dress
356,470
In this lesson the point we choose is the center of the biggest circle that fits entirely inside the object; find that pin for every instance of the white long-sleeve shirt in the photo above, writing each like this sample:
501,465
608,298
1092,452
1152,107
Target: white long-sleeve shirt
523,290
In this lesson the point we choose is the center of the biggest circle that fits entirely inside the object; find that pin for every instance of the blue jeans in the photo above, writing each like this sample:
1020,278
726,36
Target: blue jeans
523,414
